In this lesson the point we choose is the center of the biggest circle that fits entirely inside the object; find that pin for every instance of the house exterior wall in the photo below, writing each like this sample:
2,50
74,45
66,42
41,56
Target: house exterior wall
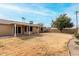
35,30
21,29
42,29
25,32
6,29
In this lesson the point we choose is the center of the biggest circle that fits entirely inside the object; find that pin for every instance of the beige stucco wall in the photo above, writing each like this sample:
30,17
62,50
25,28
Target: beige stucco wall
23,30
35,30
9,29
6,29
43,29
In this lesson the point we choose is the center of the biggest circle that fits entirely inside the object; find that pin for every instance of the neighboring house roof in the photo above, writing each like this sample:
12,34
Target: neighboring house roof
2,21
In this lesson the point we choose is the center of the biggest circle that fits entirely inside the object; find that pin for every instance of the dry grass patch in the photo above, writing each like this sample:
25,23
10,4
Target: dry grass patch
46,44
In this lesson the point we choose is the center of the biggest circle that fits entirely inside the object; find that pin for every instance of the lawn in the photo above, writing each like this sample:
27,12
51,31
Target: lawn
50,44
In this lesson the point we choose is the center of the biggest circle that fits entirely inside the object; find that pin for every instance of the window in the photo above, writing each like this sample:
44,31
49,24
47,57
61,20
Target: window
31,28
18,29
41,29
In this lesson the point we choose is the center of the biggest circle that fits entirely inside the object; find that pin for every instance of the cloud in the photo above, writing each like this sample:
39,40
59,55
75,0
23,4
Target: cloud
41,8
40,11
5,17
2,16
11,7
71,12
37,13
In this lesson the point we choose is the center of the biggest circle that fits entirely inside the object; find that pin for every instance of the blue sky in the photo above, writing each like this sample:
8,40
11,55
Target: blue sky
37,12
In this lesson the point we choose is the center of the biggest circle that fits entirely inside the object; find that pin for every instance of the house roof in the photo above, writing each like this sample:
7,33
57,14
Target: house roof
3,21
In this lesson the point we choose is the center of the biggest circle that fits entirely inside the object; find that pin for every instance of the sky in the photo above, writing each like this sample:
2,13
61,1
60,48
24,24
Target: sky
37,12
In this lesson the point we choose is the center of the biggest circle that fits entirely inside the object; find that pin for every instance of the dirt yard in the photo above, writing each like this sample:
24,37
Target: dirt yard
46,44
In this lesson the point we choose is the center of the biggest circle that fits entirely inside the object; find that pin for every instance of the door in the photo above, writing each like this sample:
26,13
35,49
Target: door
31,28
19,29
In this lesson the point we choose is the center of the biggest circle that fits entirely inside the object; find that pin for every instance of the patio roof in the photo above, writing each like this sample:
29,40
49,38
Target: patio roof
3,21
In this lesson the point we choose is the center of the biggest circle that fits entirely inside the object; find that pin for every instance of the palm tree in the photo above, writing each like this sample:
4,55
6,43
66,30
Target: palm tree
31,22
23,19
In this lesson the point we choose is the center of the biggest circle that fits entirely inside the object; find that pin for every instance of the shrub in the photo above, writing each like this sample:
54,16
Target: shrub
77,42
77,35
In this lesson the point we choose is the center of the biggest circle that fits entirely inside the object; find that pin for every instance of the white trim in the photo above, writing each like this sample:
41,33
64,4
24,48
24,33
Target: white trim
29,30
15,30
21,30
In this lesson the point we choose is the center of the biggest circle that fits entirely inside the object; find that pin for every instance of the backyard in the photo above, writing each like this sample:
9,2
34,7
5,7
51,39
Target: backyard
50,44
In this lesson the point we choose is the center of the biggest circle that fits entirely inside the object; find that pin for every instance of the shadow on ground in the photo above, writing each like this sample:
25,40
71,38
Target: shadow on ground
26,37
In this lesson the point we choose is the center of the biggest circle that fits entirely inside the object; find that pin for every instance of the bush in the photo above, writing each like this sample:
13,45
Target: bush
77,35
77,42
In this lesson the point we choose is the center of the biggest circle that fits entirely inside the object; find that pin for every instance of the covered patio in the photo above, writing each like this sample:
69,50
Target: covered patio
15,28
26,29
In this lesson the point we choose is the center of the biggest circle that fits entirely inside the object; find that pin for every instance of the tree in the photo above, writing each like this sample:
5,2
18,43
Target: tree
23,19
41,24
63,21
31,22
52,23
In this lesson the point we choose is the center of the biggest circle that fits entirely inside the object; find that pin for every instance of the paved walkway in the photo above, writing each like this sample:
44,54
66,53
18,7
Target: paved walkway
74,50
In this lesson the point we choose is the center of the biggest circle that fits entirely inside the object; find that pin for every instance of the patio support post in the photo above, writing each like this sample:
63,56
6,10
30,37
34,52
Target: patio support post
15,30
21,30
29,29
38,29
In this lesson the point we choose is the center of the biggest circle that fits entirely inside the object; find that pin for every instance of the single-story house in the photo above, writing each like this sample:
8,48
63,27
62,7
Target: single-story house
15,28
